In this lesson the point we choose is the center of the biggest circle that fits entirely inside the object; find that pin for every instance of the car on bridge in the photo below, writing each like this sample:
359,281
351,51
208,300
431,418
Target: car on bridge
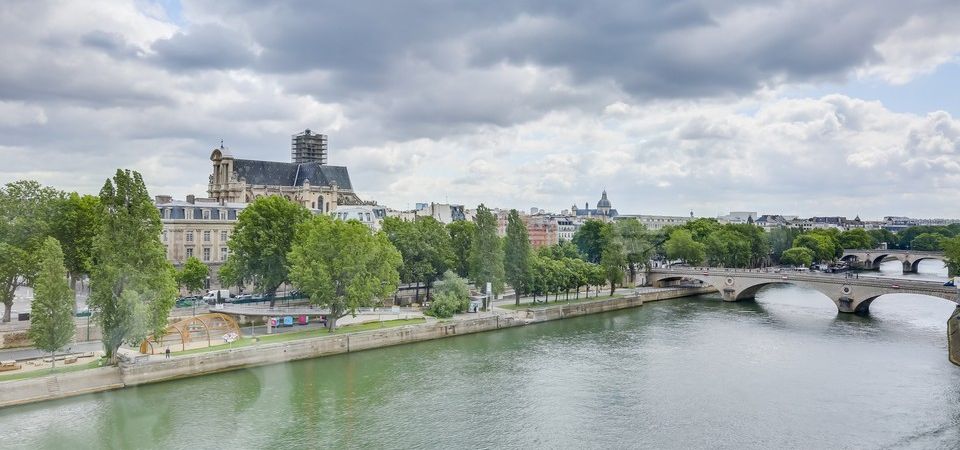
950,283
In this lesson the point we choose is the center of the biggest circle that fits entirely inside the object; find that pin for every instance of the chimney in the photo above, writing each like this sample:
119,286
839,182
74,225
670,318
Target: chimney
191,199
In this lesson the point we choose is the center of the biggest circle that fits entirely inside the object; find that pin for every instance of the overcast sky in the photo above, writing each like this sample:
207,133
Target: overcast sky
794,107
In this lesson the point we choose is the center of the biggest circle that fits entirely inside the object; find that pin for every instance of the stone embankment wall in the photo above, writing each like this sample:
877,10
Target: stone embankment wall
953,336
156,370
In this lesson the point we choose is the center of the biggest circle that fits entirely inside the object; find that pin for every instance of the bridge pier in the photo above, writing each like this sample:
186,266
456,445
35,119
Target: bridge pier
909,267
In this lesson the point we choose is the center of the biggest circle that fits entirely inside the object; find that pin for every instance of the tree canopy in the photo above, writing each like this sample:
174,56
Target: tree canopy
928,242
589,239
76,225
51,318
461,236
193,275
951,249
132,287
260,242
517,254
425,247
486,253
798,256
342,265
682,246
857,238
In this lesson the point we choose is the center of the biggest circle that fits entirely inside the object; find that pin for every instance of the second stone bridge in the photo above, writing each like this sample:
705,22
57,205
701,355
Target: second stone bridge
850,294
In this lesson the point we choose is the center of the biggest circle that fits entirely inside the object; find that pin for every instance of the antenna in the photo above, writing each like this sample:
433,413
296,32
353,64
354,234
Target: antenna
221,143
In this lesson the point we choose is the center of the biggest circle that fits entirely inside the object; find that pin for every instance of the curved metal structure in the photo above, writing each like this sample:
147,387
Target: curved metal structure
201,328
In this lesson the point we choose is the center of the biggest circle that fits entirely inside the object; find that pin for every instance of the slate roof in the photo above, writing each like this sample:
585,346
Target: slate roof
273,173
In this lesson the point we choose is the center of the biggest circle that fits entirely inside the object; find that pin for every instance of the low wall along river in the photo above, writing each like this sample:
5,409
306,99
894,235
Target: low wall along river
132,374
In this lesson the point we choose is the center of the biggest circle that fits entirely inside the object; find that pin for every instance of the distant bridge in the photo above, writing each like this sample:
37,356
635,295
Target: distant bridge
871,259
851,295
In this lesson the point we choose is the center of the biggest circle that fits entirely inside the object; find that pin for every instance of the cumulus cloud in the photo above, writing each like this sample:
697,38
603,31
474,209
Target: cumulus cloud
670,106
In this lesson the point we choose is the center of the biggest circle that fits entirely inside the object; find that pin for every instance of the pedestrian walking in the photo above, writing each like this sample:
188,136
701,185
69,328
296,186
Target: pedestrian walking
168,352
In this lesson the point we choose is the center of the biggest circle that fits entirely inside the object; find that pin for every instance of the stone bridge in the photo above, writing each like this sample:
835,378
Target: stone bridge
851,295
871,259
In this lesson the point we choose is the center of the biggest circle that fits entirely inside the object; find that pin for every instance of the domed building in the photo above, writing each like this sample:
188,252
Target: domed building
603,211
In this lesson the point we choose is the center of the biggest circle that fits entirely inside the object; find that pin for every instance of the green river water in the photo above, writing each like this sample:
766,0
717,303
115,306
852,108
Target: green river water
784,371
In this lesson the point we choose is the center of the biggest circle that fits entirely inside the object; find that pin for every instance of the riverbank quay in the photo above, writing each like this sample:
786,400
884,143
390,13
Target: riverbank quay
134,371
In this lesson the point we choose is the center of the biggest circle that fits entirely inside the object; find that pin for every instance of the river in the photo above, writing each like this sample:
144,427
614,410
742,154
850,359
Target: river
784,371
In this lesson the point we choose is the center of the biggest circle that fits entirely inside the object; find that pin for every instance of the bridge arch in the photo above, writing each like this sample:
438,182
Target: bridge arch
916,263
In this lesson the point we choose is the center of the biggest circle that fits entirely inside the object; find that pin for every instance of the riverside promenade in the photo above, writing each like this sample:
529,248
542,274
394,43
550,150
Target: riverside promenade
136,370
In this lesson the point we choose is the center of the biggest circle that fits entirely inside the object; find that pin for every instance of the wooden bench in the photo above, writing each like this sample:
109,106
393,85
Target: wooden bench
8,365
70,359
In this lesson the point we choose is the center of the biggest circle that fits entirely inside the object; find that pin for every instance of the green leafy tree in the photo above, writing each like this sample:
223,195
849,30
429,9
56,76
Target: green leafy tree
798,256
260,242
929,242
682,246
77,223
857,238
596,276
907,236
51,318
461,236
589,239
781,240
342,265
132,287
613,260
193,275
881,235
27,212
486,253
700,229
637,244
517,254
951,250
451,296
425,247
824,246
727,248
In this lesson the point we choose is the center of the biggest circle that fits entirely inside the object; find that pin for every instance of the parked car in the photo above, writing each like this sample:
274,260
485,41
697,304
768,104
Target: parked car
895,286
185,302
950,283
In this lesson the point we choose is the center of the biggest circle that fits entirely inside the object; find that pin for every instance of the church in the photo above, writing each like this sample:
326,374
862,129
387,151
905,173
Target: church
307,180
603,211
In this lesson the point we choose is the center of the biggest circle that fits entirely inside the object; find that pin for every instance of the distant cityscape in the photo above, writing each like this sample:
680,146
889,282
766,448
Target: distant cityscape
201,226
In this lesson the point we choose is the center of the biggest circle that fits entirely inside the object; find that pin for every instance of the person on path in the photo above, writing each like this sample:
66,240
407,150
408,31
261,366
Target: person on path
168,352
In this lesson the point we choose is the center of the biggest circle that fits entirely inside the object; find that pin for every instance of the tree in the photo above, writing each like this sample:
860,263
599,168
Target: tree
486,253
461,235
342,265
951,249
261,240
451,296
193,275
516,262
798,256
27,211
612,259
701,228
781,240
727,248
77,223
132,287
881,236
425,247
824,246
636,244
857,238
51,318
589,239
596,276
682,246
927,242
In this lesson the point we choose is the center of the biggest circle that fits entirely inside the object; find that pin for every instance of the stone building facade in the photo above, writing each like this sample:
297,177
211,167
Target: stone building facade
314,185
199,227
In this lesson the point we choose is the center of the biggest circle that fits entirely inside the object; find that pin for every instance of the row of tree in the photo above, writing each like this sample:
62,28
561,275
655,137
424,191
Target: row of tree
707,241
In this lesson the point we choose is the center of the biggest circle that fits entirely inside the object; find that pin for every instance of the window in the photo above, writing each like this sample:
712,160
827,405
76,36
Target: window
206,254
206,214
223,253
164,234
223,236
368,217
206,236
189,252
223,215
189,236
166,213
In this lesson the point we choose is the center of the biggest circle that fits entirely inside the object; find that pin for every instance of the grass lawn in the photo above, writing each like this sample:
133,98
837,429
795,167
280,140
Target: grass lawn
316,332
44,372
540,304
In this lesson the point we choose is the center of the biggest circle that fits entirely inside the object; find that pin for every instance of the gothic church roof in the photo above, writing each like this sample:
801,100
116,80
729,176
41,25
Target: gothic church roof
273,173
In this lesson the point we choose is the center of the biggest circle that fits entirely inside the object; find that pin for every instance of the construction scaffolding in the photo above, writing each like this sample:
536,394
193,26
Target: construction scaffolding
309,147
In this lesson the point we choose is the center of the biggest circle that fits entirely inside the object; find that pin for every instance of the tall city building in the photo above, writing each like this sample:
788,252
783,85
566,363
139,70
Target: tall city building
309,147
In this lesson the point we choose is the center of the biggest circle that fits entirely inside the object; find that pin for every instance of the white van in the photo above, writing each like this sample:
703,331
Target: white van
217,296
